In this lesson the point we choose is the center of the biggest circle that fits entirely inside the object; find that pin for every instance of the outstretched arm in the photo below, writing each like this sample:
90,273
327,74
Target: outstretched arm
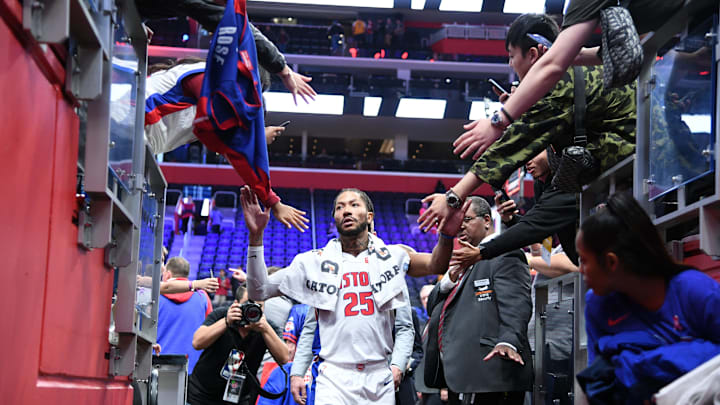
439,209
259,287
422,264
290,216
540,79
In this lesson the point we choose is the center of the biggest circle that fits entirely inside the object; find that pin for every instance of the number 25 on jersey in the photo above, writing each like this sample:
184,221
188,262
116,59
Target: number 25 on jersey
360,303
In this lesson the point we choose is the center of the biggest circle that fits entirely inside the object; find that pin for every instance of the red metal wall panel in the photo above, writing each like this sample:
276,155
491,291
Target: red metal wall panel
74,333
26,151
485,47
283,177
57,297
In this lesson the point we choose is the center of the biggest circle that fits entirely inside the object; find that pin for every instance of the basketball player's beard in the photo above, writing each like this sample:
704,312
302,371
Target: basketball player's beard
351,232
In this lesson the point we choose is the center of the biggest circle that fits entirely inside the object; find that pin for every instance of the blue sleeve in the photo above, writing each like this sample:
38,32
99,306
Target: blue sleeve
702,300
274,384
295,322
591,326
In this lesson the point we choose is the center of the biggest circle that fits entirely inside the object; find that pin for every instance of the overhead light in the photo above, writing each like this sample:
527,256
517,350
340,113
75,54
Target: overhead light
524,6
461,5
421,108
327,104
371,106
343,3
417,4
205,210
483,109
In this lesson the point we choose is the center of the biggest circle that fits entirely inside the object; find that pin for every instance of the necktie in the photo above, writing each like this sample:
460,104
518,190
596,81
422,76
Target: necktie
445,305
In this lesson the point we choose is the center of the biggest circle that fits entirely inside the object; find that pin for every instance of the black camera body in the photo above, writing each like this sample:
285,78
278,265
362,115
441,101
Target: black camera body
251,313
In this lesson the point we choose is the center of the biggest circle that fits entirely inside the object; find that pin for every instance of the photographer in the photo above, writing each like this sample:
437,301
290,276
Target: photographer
233,340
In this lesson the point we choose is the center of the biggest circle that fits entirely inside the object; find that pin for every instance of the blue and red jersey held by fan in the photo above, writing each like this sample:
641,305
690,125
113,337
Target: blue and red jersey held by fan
229,116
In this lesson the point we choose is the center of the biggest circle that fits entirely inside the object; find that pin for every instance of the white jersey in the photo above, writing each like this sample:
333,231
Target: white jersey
169,114
357,332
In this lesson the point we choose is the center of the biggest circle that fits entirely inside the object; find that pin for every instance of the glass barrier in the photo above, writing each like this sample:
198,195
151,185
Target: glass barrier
682,111
123,104
148,224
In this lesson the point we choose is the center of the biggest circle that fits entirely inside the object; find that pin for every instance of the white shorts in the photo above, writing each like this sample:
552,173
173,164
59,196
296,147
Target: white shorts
338,384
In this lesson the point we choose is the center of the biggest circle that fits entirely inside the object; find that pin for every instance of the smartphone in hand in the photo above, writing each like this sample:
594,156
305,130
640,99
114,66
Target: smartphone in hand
498,86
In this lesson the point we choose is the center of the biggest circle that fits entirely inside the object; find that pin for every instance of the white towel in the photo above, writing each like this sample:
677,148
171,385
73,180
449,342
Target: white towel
315,276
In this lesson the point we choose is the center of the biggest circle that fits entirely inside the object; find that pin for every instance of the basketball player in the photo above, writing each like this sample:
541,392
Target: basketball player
357,285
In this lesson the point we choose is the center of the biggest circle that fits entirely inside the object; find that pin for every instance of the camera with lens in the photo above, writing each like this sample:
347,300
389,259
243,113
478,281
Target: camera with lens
251,313
574,168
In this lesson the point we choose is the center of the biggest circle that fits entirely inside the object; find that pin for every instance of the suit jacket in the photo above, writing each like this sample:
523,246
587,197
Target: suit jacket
492,305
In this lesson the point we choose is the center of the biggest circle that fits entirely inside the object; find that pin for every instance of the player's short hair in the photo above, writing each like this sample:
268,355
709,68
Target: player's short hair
239,292
273,269
169,64
363,196
540,24
178,266
480,206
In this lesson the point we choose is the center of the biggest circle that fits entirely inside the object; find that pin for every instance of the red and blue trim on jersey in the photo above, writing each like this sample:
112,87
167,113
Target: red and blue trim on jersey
158,105
229,116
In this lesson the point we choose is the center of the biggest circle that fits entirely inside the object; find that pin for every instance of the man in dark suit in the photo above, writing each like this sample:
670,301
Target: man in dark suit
477,333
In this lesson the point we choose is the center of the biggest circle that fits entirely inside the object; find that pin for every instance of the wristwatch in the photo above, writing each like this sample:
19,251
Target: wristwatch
453,200
482,249
497,121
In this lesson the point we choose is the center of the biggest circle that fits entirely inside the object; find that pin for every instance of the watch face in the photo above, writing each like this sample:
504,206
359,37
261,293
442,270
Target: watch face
496,119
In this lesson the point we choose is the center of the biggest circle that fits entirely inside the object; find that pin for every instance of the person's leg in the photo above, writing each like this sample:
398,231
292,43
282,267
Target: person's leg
378,386
334,386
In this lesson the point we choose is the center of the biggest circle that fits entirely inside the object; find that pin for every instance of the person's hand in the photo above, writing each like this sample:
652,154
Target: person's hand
255,218
452,223
454,273
260,326
436,212
397,375
297,84
502,96
239,275
536,249
273,132
507,210
290,216
234,314
479,136
156,348
505,352
148,32
208,284
298,389
444,395
466,256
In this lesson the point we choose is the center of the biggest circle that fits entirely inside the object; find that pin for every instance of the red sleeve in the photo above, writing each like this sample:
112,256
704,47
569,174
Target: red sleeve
272,199
209,307
192,85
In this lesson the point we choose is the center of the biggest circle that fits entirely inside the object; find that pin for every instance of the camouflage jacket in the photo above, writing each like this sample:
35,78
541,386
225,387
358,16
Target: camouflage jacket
609,121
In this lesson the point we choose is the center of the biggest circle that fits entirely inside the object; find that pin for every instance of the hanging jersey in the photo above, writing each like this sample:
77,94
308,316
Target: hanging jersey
169,114
357,332
230,113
